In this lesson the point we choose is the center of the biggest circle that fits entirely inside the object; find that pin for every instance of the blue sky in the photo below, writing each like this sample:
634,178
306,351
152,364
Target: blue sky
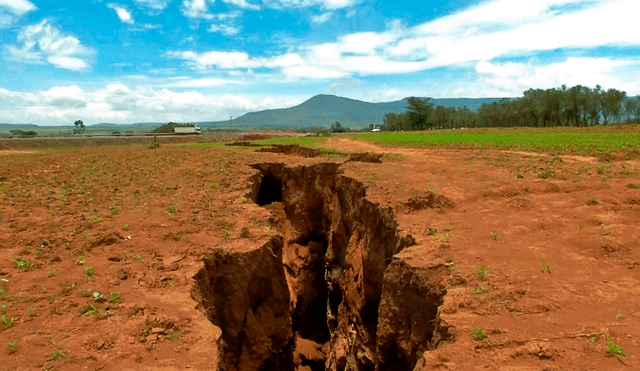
201,60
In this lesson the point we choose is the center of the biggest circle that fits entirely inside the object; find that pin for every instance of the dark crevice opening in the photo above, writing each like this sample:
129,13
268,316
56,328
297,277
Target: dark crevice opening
270,191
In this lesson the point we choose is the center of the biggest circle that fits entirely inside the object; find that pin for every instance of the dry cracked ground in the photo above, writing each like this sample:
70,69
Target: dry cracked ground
205,258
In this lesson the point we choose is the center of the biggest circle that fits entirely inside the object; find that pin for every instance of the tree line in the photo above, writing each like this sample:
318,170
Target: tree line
575,106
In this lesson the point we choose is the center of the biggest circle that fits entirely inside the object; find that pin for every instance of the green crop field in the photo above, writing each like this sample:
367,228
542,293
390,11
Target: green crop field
583,141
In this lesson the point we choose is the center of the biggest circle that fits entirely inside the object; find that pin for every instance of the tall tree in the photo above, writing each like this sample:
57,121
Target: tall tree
419,111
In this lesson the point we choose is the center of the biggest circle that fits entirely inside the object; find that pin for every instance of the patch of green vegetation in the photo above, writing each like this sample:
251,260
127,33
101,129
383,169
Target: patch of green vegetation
494,235
583,141
478,334
613,348
173,336
545,268
21,263
481,272
56,354
172,210
301,141
95,219
546,174
12,347
89,271
125,227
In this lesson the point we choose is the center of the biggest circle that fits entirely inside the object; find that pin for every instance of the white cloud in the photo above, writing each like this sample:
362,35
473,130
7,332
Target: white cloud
118,103
327,4
10,10
243,4
122,12
153,5
44,43
322,18
225,29
477,34
196,9
17,7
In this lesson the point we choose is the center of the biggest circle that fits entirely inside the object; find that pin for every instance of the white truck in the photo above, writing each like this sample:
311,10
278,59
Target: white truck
186,129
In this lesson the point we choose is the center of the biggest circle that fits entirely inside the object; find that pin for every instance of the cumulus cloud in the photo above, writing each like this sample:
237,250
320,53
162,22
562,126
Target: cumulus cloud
43,43
196,9
460,39
123,14
119,103
12,9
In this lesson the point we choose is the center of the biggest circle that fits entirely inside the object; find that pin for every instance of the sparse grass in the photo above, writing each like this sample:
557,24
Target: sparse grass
173,336
481,290
227,232
31,313
21,263
432,231
140,259
95,219
546,174
172,210
114,297
481,272
80,261
478,334
89,310
89,271
545,268
494,235
619,317
12,347
8,321
613,348
57,354
446,237
51,272
634,185
270,228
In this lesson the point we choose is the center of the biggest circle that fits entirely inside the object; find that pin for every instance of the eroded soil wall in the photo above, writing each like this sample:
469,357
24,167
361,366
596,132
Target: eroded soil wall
322,282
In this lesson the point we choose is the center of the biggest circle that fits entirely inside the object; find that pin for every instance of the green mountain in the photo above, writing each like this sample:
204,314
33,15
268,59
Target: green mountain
323,110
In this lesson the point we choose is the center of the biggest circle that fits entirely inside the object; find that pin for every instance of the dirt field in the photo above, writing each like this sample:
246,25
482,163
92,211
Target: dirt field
124,258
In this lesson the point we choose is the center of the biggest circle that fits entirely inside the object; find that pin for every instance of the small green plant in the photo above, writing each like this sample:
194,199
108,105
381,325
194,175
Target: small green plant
431,191
481,290
213,185
89,271
613,348
270,228
125,227
140,259
545,268
97,295
172,336
619,317
80,260
31,313
172,210
177,237
3,308
546,174
2,293
89,310
114,297
432,231
114,209
51,272
56,354
243,200
446,237
12,347
154,144
95,219
8,321
481,272
21,263
581,227
227,232
494,235
479,334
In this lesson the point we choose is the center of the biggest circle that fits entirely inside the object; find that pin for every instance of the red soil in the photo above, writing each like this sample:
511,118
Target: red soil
181,206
